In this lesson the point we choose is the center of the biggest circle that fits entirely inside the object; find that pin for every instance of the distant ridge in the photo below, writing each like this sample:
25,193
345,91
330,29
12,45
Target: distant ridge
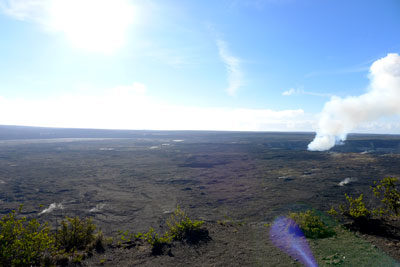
9,132
12,132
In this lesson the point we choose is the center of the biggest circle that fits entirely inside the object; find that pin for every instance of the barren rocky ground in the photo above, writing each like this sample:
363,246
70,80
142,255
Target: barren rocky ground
235,182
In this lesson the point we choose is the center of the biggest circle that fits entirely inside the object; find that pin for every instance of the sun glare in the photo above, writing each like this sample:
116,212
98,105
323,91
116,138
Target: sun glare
93,25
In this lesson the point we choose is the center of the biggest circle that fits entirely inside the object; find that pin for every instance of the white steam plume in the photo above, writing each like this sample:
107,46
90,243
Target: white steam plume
53,206
98,208
341,115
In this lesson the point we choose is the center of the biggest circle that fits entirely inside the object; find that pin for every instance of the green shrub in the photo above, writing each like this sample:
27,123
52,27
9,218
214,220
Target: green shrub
76,234
157,243
386,190
128,239
24,242
181,227
311,224
333,212
355,208
126,236
389,194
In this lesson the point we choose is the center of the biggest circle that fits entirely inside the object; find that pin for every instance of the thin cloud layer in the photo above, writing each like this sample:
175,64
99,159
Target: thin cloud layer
34,10
232,64
129,107
342,115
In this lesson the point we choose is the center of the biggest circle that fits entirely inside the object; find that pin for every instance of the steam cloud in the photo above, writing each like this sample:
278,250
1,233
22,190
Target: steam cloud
341,115
347,181
52,207
98,208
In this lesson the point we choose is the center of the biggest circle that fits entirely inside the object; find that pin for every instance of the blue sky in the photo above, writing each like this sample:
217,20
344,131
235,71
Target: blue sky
179,64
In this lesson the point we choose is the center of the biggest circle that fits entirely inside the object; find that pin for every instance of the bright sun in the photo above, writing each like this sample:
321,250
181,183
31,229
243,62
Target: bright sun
93,25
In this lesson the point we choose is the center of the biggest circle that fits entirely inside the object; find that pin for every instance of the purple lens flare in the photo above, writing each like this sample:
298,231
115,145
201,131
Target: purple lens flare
287,235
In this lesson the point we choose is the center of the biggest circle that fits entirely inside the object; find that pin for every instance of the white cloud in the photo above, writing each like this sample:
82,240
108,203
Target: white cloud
134,89
291,91
93,25
232,64
380,126
300,91
342,115
129,107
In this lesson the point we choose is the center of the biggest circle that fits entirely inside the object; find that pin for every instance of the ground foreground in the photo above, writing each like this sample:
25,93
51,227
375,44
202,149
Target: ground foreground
235,182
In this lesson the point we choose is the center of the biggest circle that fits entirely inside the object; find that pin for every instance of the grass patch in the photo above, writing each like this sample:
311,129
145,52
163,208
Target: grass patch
348,249
339,245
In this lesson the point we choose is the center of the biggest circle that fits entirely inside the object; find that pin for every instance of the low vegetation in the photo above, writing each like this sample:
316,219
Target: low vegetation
127,239
388,191
312,225
362,216
355,208
347,248
27,242
182,228
388,194
228,221
158,243
179,228
76,234
24,242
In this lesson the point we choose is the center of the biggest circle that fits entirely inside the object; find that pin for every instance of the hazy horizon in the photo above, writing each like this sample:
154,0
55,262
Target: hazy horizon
188,130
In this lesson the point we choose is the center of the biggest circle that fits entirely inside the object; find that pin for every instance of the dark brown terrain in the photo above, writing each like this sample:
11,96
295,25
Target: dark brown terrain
133,180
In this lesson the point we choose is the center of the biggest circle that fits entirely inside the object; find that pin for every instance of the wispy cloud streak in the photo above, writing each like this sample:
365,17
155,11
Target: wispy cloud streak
337,72
299,91
361,67
232,64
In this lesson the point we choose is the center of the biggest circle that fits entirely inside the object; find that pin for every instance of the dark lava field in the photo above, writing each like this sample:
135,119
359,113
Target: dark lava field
133,180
